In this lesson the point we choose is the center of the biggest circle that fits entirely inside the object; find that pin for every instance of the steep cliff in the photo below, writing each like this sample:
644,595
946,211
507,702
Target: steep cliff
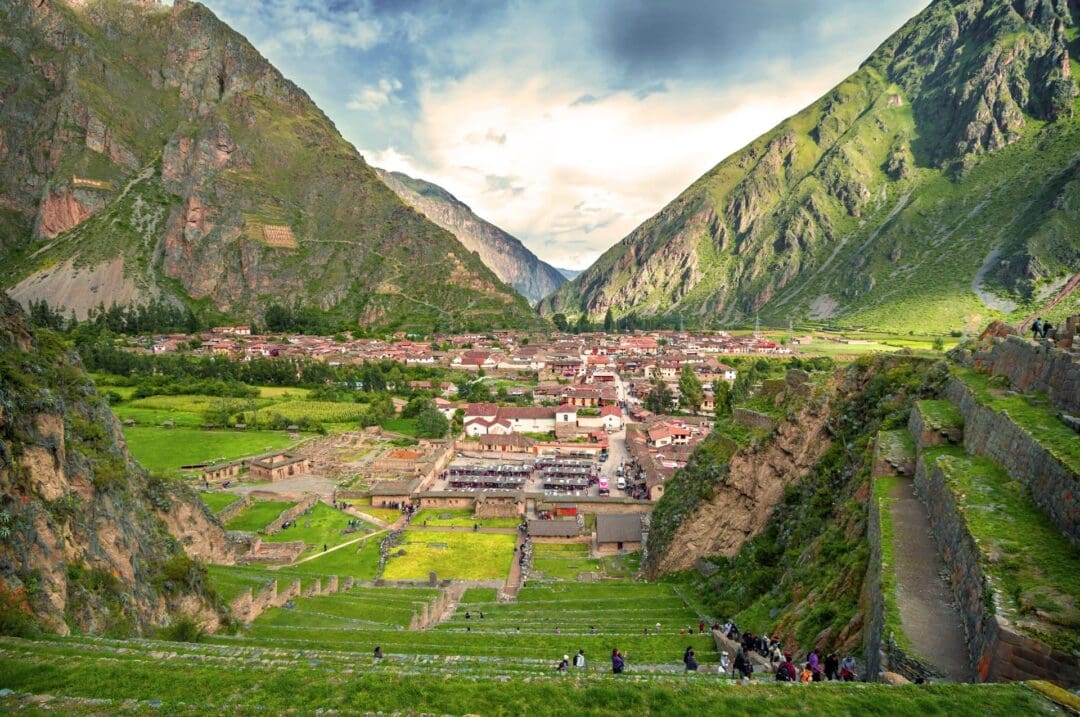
937,182
151,151
502,253
88,541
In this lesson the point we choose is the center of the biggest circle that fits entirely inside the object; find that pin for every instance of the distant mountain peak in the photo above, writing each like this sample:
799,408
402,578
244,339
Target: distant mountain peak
503,253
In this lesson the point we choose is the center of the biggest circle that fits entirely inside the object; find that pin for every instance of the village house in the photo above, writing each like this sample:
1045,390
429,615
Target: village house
278,466
618,533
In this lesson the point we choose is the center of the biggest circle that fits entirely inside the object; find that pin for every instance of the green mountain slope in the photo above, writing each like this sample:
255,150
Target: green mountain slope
502,253
151,151
936,184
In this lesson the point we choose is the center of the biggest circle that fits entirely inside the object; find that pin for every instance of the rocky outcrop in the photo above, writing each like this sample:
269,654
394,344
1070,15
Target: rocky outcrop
1031,367
502,253
754,484
215,172
85,544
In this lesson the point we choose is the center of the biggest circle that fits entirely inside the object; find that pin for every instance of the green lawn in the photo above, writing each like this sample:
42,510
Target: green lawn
322,526
459,518
622,566
404,426
461,556
358,560
164,450
128,682
940,415
258,515
217,500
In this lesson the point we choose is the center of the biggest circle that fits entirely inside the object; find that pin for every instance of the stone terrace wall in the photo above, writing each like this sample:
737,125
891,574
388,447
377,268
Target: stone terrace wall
997,652
873,599
924,433
1053,486
234,509
291,514
753,420
1033,368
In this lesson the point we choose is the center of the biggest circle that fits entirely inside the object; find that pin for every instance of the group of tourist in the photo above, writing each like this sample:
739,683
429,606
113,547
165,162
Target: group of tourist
1041,328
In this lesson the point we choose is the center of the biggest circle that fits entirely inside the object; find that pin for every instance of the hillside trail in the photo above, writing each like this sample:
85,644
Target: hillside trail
927,610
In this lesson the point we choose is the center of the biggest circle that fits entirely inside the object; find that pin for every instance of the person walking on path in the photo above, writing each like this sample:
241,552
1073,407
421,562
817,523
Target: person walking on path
1036,328
832,667
786,672
618,662
378,652
847,669
1046,329
579,660
691,662
742,664
564,663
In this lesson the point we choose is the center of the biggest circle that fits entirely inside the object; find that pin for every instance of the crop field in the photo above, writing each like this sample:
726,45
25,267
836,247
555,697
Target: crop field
404,426
258,515
192,403
319,411
218,500
164,450
461,556
463,518
322,526
562,562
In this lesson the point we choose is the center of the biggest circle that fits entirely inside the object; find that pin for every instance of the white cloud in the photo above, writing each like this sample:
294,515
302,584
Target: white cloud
375,96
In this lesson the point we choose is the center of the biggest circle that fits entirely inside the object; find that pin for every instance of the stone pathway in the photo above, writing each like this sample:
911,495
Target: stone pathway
927,609
513,580
400,522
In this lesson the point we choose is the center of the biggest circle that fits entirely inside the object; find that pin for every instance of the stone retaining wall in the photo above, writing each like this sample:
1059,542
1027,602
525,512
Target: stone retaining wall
1055,488
291,514
873,597
925,435
247,606
1031,367
233,509
753,420
996,650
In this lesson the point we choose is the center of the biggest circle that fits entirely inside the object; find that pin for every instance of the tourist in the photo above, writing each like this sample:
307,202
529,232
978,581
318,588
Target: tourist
1046,329
657,628
725,664
563,664
557,630
785,672
807,674
579,660
776,656
701,627
847,669
618,662
481,614
324,547
814,661
1036,328
686,653
378,652
468,615
832,667
691,662
742,664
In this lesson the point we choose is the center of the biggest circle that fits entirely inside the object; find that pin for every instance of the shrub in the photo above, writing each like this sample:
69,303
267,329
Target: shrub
185,629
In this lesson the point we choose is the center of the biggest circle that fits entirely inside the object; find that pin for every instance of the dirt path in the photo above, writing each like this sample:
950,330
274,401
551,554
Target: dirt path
927,611
513,579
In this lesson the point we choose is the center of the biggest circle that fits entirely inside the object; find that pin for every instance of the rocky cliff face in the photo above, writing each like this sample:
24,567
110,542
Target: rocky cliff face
158,138
88,541
954,143
504,254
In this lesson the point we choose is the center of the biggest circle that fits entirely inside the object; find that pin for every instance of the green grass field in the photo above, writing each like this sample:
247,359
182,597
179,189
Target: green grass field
404,426
322,526
164,450
461,556
217,500
258,515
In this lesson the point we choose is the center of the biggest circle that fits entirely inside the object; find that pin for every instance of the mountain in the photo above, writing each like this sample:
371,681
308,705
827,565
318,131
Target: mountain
90,542
569,273
502,253
934,187
151,151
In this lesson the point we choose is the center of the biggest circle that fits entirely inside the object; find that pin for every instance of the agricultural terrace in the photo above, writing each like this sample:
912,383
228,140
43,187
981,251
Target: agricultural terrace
322,526
459,518
562,562
258,515
217,501
451,555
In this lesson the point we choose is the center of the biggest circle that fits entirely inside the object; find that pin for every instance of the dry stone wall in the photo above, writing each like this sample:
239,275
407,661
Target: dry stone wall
994,435
996,650
1031,367
291,514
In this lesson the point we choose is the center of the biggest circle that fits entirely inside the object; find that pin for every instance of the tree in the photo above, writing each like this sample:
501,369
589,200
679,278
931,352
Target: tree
609,321
659,398
431,423
939,344
722,397
690,390
583,326
560,322
416,406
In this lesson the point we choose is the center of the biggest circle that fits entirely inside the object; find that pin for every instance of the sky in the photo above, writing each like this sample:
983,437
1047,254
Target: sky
565,123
